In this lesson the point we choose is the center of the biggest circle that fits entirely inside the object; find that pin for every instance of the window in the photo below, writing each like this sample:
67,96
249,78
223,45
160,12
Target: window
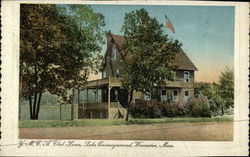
186,76
147,96
104,74
186,96
175,95
163,92
163,95
116,95
117,73
113,54
174,77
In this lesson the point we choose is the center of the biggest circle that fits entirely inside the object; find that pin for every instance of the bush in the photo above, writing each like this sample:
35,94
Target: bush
156,109
174,109
146,109
196,107
199,106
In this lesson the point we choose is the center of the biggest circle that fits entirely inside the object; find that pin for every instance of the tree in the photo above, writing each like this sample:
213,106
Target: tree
85,41
56,53
152,54
226,85
220,95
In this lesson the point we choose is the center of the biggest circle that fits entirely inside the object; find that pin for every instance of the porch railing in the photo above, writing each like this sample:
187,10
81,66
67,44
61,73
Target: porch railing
101,106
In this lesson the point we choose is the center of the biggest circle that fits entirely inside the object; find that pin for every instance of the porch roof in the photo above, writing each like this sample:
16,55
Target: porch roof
110,81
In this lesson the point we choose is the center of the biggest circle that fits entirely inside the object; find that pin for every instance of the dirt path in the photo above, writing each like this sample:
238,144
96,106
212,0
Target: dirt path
209,131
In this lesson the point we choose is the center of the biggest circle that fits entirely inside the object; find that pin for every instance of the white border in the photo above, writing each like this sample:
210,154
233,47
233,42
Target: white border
9,93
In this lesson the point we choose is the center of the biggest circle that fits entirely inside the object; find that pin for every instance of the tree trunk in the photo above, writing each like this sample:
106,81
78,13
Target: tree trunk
222,111
34,106
60,111
72,104
129,104
30,104
38,105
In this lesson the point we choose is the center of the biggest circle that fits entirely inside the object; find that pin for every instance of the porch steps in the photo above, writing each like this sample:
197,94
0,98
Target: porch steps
117,111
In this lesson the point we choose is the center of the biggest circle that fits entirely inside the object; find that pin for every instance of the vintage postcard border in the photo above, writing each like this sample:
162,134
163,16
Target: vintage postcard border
10,80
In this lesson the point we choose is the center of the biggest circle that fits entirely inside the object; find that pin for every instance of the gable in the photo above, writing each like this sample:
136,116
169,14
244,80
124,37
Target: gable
182,60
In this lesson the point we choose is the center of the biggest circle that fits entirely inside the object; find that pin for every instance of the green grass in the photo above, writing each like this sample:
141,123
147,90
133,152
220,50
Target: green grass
51,112
106,122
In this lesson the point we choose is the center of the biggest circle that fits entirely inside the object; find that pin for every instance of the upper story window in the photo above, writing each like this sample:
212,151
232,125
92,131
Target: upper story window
104,74
113,54
117,73
174,75
186,76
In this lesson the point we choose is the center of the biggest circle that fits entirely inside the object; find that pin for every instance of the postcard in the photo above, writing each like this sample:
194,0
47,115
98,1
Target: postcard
124,78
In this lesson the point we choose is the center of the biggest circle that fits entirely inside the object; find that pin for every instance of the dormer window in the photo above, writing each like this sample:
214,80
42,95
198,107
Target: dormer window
113,54
186,76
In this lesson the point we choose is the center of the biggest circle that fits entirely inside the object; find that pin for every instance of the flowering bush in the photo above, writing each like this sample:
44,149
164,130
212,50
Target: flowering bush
156,109
196,106
199,106
173,109
146,109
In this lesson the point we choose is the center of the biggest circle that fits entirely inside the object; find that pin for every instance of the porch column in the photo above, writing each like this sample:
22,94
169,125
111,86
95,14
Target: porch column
109,101
78,101
78,97
87,100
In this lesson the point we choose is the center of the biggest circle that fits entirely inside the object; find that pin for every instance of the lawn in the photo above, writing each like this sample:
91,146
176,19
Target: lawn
181,129
111,122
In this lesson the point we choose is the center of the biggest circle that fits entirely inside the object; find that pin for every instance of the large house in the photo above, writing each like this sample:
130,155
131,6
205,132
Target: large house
106,98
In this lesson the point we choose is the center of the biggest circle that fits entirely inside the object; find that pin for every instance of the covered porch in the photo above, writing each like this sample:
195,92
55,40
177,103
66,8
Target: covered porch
103,98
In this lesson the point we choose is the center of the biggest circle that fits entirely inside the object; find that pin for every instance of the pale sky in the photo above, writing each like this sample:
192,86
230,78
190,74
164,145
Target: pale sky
206,32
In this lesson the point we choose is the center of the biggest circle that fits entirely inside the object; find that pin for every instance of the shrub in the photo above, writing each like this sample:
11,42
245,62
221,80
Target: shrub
173,109
146,109
196,106
199,106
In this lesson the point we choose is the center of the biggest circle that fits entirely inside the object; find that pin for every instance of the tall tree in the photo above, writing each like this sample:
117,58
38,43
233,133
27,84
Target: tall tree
152,54
85,42
226,85
56,53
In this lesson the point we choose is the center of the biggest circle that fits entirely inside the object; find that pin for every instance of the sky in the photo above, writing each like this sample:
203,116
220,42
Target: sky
206,32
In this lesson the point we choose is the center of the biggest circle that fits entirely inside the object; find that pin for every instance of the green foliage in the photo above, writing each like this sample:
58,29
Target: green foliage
221,95
227,87
152,53
58,49
174,109
199,106
146,109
